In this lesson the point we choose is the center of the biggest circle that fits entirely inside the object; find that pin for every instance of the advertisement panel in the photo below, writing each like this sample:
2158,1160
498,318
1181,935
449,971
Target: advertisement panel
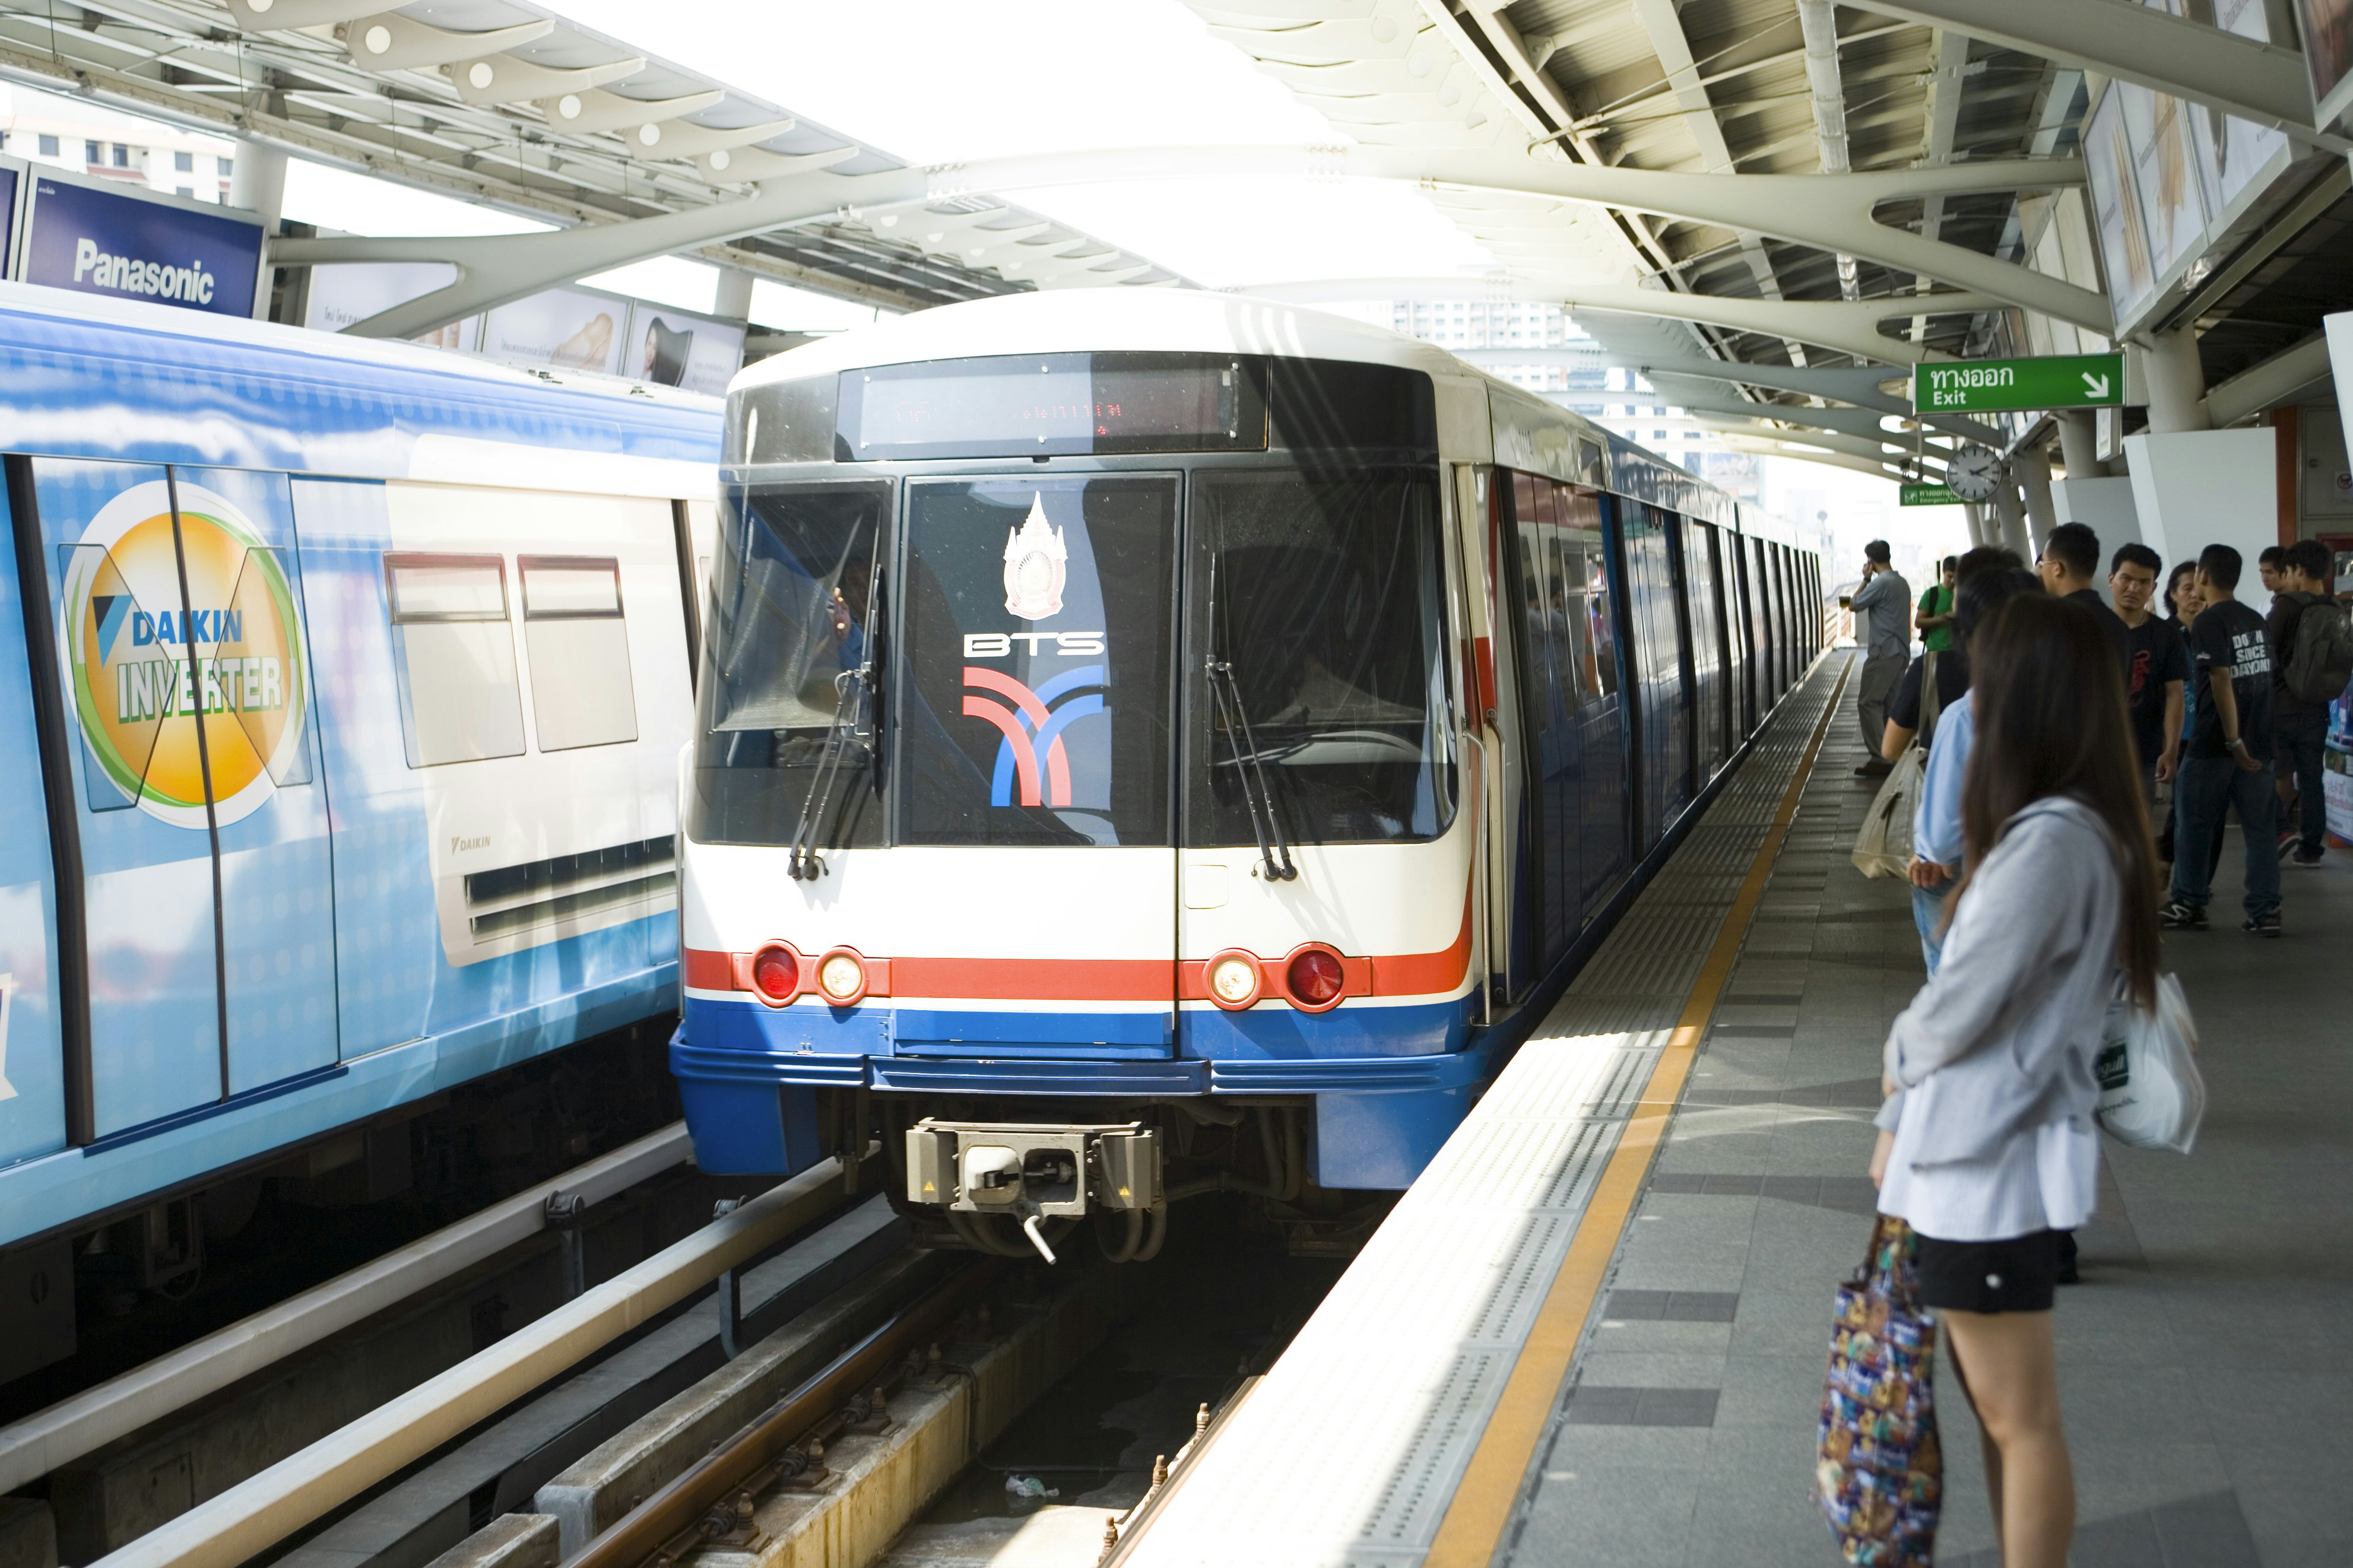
12,185
161,249
2327,30
345,296
2115,208
683,349
563,329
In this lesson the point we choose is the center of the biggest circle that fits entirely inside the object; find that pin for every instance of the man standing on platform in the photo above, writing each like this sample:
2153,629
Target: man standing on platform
2156,672
1883,607
2069,567
2230,761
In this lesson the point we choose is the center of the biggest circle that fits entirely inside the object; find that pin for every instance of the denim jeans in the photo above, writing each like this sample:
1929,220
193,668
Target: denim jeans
2204,789
1928,915
2297,742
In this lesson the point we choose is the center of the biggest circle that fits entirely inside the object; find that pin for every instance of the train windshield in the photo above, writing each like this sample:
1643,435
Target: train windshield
1034,685
793,596
1315,603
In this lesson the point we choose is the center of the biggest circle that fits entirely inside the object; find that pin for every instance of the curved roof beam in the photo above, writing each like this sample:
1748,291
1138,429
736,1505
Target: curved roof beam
1849,326
2255,80
1833,212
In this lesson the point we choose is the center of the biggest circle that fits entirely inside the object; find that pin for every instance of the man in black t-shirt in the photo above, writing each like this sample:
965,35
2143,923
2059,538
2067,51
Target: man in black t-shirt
2156,665
2230,761
2069,567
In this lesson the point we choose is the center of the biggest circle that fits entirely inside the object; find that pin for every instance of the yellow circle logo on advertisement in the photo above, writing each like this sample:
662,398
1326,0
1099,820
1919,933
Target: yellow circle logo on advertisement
167,686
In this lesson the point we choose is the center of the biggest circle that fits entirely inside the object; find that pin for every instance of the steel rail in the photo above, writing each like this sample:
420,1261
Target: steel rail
641,1534
239,1523
39,1443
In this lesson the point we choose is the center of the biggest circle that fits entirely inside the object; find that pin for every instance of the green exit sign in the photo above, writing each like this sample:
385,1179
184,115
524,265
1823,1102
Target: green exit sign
1928,495
2000,385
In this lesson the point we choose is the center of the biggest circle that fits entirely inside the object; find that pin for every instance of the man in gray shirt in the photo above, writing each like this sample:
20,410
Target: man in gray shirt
1882,614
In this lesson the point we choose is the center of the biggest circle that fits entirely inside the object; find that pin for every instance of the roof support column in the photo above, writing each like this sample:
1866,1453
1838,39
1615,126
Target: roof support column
2012,514
733,299
2177,384
257,180
1975,516
2079,444
2033,468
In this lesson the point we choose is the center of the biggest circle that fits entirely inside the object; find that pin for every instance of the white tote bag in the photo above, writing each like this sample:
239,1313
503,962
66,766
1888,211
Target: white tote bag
1883,845
2151,1095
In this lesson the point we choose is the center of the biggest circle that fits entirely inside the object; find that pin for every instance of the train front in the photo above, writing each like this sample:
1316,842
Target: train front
1075,804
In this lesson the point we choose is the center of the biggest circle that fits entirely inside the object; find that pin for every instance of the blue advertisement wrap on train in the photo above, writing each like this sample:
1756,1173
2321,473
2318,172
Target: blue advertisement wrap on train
140,246
348,679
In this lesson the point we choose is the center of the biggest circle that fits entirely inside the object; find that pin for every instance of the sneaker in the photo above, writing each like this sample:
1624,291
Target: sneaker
2289,841
2182,917
1874,770
2309,862
2264,925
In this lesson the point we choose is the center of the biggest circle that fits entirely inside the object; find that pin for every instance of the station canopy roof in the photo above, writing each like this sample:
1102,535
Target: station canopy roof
511,105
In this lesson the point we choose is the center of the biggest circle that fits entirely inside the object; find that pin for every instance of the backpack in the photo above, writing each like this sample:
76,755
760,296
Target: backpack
2321,663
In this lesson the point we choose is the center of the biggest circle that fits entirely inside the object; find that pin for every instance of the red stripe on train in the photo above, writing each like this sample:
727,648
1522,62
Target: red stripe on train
1110,979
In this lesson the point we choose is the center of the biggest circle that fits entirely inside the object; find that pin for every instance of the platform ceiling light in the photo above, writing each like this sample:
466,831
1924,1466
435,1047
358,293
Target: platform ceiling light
494,80
390,41
594,110
263,16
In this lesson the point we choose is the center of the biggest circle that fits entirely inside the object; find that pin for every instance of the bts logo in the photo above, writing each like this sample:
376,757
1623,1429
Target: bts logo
1031,751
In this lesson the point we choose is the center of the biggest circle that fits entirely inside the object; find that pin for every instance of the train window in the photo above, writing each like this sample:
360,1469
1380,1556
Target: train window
1322,592
460,700
792,586
1034,688
581,693
1597,623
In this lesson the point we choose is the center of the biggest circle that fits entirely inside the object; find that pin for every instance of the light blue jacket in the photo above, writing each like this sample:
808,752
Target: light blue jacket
1937,817
2003,1036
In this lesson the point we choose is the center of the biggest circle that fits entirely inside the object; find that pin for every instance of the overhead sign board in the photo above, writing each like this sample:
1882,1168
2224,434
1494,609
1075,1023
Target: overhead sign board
2003,386
139,247
1927,495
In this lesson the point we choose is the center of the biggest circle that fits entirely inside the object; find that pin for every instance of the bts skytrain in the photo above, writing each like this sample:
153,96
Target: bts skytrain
1153,743
342,685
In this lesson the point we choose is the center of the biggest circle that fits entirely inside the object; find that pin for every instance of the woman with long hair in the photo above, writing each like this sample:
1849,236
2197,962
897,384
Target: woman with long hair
1987,1149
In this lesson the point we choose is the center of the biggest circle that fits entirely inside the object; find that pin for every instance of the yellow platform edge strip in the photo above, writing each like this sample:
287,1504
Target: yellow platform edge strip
1482,1507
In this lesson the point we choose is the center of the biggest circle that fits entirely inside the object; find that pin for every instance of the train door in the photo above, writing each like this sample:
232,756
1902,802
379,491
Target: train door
1683,665
1548,698
276,921
1601,804
1031,699
35,1092
1707,642
145,572
1760,613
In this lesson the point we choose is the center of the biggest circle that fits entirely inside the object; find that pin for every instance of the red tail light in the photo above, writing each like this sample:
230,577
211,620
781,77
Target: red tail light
1316,978
777,973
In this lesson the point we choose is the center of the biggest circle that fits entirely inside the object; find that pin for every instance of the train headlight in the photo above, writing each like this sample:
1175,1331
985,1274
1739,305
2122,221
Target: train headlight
842,977
1316,978
777,973
1233,980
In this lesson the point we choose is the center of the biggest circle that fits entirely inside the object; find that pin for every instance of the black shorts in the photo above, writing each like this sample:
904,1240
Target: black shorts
2020,1275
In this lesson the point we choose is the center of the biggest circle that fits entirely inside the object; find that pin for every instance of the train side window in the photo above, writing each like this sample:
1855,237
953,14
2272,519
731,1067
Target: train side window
581,694
459,700
1567,591
1596,621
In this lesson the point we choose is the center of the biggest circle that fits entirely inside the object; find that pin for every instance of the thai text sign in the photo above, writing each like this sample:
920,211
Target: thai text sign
1996,386
1928,495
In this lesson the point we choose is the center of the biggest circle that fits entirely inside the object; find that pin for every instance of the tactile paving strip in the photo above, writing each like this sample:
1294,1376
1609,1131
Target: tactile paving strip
1348,1452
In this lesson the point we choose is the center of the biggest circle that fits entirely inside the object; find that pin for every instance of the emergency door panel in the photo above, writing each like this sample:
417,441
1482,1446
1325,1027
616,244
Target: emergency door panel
1031,699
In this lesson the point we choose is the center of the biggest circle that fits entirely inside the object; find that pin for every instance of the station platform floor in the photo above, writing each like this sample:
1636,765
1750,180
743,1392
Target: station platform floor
1596,1332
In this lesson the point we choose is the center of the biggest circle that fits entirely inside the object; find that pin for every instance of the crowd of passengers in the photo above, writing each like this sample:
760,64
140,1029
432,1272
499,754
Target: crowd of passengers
2062,728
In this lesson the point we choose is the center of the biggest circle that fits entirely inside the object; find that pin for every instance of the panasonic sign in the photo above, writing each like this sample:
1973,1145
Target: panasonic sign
133,247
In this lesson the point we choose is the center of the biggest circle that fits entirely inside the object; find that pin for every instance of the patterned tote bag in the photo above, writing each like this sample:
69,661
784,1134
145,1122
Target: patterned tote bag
1880,1475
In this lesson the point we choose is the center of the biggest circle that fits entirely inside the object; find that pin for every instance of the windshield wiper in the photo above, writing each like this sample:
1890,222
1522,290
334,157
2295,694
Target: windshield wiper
854,689
1258,792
